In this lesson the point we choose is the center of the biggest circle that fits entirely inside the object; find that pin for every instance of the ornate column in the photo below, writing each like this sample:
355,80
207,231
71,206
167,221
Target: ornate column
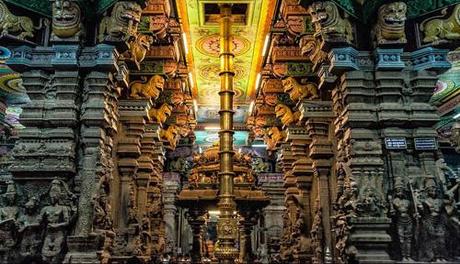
318,117
272,185
226,226
196,221
171,186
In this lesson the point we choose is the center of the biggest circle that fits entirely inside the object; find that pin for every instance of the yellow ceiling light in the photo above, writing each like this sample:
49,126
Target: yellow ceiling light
190,79
184,41
195,106
211,128
265,49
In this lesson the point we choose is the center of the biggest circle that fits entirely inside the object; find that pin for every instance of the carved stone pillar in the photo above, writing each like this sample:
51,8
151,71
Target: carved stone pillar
171,185
318,118
246,222
272,185
196,221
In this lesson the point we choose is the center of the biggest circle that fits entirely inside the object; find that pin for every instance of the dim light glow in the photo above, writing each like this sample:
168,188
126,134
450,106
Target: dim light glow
214,212
267,41
184,40
195,106
259,146
258,82
251,107
190,79
211,128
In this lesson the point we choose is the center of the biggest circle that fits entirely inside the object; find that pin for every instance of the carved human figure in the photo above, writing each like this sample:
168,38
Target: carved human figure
57,217
102,211
8,218
433,220
30,228
401,210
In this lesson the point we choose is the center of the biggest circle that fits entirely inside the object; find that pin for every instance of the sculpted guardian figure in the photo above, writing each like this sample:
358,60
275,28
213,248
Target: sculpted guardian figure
328,22
150,89
390,27
66,18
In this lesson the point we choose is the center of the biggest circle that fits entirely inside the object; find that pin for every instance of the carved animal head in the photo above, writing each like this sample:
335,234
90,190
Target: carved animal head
393,14
162,113
177,98
171,134
127,14
323,14
285,114
145,41
159,82
66,18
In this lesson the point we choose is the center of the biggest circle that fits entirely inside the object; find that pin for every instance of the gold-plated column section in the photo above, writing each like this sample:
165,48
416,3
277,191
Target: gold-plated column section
227,229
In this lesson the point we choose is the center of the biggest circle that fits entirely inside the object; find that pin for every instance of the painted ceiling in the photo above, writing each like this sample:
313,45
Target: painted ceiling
200,21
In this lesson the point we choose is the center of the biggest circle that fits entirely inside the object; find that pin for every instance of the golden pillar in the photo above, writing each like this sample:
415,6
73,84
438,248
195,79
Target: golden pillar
227,228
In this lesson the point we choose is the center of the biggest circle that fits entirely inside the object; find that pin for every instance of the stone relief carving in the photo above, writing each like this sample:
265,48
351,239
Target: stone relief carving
442,29
328,22
171,135
57,216
286,115
403,211
162,113
150,89
122,24
66,20
390,27
138,48
30,228
297,91
9,214
20,26
272,137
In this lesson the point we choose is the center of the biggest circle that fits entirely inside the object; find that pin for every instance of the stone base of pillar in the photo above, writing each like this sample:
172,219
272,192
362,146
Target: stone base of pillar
83,249
371,239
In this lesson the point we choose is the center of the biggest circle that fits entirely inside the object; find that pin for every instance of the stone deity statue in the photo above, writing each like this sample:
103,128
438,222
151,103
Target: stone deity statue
400,208
57,217
434,223
30,228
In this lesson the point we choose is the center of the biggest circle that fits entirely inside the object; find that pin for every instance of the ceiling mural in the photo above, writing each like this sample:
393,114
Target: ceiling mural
200,20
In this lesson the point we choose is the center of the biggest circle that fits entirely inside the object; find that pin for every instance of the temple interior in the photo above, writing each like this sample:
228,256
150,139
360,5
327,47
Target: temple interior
216,131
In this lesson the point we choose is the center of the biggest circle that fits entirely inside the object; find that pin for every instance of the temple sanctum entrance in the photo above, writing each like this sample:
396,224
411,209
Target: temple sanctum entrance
226,132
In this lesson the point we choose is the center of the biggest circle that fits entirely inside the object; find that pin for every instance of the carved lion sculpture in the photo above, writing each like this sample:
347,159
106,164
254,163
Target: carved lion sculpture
21,26
150,89
272,137
327,20
139,47
297,91
437,29
66,18
286,115
390,23
122,22
162,113
171,134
